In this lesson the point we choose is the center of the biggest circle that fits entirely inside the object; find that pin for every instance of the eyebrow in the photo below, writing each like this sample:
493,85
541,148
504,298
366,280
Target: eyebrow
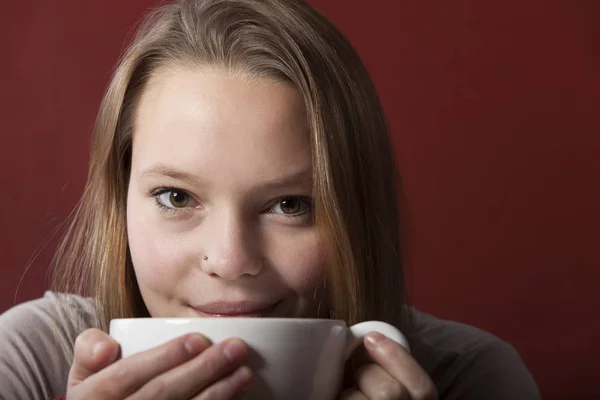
297,178
164,170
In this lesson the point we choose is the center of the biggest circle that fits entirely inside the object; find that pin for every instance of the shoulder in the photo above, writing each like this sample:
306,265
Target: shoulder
62,315
37,340
468,363
62,305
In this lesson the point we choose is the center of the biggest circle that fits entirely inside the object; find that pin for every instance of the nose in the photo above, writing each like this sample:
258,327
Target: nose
230,247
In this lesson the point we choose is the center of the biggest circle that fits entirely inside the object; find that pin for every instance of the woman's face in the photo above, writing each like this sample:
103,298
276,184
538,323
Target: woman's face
219,212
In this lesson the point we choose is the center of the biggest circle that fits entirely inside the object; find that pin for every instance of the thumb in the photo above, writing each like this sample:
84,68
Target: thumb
94,351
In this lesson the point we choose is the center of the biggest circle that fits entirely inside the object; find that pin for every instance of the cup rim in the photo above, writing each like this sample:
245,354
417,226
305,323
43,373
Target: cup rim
234,320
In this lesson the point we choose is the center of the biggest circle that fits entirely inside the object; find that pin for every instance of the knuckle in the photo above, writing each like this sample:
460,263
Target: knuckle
120,377
180,345
156,389
171,353
211,362
100,390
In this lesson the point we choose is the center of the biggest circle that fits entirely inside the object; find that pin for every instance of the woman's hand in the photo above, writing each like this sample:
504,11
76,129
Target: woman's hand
393,375
188,367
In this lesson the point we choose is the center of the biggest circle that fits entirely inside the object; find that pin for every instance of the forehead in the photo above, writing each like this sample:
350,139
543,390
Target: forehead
209,118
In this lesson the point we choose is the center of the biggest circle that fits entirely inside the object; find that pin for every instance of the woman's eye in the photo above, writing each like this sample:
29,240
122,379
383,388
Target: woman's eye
292,206
174,199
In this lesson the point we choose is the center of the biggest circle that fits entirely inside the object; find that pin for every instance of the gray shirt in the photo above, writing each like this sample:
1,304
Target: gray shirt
37,338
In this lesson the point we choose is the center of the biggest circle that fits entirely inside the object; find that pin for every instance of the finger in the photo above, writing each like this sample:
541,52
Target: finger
376,383
352,394
401,366
129,374
94,351
231,387
193,377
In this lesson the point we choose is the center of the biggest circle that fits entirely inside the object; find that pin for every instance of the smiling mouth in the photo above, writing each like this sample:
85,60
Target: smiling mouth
235,310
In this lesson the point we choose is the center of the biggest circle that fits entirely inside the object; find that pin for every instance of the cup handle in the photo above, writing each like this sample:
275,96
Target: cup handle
357,332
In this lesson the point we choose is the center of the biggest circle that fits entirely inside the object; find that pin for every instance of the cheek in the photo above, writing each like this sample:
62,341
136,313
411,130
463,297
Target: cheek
153,252
301,266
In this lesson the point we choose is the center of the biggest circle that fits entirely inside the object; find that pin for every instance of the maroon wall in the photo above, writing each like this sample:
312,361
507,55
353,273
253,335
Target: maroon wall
493,107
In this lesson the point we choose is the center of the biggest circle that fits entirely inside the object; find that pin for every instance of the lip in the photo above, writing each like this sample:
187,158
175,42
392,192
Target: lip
243,309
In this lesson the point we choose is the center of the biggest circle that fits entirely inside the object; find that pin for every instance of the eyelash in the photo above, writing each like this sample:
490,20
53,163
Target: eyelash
174,211
305,199
169,210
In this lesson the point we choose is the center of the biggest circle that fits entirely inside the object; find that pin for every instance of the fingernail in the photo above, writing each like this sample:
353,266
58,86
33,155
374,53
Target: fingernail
375,339
234,350
98,347
194,344
242,378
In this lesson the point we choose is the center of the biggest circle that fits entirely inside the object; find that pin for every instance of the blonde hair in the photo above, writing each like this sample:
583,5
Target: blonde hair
355,182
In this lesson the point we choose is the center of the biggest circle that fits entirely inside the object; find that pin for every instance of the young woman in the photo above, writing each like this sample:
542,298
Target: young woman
241,165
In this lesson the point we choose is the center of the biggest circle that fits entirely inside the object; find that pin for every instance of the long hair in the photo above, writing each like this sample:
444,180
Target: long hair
355,181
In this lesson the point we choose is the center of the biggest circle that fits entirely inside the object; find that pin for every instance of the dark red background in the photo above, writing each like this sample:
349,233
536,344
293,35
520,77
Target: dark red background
494,110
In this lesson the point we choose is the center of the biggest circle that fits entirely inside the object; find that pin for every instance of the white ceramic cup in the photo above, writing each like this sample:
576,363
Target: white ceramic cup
290,358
